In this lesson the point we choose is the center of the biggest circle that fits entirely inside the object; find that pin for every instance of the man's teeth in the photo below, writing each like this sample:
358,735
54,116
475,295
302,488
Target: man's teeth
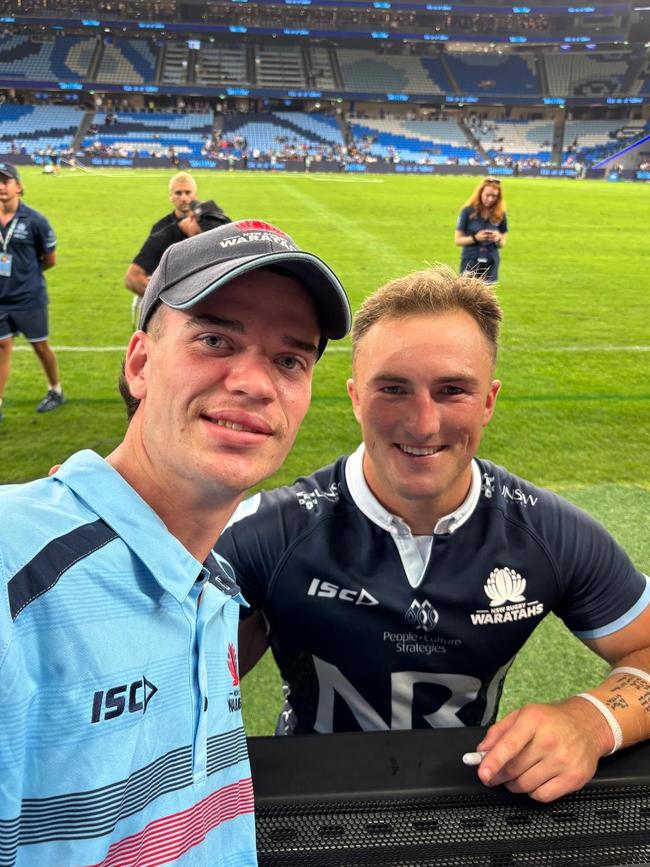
412,450
233,425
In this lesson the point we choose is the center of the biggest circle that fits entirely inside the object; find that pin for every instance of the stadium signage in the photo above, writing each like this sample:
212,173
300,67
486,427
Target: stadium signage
238,91
70,85
150,25
89,22
238,29
397,97
379,34
436,37
521,10
304,94
140,88
624,100
296,31
517,39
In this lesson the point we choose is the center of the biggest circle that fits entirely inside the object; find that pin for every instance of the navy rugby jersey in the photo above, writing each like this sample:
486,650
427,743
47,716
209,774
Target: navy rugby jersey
372,630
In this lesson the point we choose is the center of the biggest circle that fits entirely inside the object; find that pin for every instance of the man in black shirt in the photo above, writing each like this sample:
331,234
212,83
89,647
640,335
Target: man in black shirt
183,222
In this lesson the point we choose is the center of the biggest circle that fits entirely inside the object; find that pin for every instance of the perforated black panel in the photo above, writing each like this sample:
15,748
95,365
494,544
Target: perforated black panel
594,828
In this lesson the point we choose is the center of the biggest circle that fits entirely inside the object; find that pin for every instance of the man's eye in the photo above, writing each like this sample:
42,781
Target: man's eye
214,341
452,389
289,362
392,389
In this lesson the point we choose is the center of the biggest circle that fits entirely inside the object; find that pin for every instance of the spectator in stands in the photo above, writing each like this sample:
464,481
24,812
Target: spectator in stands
180,224
28,248
482,230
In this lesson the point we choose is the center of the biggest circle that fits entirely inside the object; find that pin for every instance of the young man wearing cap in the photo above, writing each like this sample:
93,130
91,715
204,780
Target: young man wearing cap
28,248
182,223
121,738
399,583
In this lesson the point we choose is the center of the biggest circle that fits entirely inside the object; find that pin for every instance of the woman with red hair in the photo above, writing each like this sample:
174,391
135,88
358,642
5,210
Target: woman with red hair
482,230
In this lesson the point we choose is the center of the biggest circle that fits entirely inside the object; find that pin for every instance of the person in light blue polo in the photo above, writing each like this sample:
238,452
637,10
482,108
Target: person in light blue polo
121,740
27,249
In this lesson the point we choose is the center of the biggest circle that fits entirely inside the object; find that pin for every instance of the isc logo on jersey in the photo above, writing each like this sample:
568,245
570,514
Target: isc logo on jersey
326,590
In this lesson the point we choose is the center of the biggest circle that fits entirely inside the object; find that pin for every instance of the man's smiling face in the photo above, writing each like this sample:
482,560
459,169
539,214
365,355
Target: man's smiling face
422,391
224,386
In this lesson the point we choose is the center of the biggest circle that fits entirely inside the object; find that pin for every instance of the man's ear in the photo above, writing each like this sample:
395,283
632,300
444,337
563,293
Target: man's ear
354,397
136,364
490,402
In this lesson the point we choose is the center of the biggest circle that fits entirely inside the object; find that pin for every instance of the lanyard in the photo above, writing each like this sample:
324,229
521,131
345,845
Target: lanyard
10,233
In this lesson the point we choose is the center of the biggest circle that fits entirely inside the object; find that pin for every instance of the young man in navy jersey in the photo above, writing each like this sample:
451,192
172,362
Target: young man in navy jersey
121,739
399,583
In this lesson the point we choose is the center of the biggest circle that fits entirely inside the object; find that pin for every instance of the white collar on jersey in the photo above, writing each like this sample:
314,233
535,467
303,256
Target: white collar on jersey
367,503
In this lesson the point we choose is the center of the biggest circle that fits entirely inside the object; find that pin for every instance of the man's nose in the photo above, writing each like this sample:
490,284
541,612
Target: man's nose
251,374
423,417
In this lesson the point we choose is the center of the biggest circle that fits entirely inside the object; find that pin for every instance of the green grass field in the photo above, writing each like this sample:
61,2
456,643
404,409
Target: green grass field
574,411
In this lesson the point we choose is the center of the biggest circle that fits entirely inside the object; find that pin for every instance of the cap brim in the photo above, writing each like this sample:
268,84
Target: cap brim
332,303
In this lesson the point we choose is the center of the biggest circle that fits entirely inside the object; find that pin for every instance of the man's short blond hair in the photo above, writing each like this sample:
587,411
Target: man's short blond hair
182,178
434,291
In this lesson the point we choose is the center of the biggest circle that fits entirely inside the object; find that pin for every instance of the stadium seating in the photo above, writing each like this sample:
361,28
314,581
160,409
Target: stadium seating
38,127
367,71
593,74
151,134
279,66
127,61
513,74
323,127
433,141
308,133
597,139
66,58
518,139
175,66
218,64
321,68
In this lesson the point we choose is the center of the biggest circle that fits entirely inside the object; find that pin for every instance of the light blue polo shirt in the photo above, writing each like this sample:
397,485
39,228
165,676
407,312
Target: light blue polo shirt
121,739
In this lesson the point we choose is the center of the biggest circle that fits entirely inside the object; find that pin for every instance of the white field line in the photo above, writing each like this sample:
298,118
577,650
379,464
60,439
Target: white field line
331,349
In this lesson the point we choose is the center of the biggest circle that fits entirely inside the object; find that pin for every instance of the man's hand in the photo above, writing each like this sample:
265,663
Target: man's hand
544,750
189,225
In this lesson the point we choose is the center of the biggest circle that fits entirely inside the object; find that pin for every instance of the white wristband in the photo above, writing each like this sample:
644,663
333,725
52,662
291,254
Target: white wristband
612,722
626,669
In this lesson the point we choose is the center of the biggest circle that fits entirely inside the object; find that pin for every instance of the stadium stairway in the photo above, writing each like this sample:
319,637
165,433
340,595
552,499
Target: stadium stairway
84,126
471,138
450,75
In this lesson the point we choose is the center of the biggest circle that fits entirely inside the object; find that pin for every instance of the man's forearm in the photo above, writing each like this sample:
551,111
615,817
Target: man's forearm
623,699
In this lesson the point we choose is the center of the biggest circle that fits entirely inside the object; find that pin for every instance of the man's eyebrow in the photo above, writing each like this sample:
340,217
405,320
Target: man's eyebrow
300,344
204,320
387,376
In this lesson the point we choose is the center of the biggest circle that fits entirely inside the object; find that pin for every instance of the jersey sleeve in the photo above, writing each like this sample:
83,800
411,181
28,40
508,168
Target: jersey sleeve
43,234
602,590
463,218
249,550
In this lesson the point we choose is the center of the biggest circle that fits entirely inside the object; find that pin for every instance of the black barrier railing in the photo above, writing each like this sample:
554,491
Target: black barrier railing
404,799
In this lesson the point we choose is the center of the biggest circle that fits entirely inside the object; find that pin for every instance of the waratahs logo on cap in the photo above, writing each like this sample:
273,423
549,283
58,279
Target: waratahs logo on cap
257,232
259,226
